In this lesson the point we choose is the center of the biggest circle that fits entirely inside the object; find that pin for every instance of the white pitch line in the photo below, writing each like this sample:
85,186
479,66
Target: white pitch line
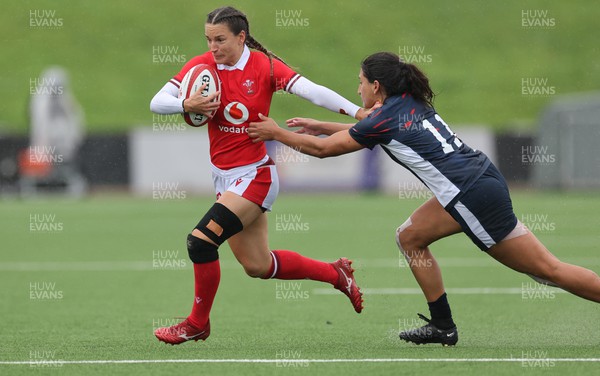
99,266
75,266
456,291
291,361
363,264
105,266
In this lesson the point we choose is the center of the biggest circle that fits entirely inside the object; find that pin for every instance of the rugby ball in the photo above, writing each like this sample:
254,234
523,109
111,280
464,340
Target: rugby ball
192,81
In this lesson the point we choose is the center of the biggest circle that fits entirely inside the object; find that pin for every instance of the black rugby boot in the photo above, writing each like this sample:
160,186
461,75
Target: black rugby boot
430,334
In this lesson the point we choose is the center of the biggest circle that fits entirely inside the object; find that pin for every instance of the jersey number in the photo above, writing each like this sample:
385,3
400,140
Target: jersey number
448,148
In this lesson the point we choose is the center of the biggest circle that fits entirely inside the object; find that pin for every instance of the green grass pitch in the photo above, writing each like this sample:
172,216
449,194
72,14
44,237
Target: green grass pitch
90,280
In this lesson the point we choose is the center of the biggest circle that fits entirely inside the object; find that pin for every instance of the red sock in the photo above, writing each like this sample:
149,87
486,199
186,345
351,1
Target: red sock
292,265
206,281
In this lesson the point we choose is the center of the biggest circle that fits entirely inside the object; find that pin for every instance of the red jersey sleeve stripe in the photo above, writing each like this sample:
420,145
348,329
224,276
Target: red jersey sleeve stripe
378,133
381,122
377,113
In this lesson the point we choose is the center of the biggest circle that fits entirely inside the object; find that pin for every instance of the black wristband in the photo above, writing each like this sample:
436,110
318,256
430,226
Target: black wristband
182,106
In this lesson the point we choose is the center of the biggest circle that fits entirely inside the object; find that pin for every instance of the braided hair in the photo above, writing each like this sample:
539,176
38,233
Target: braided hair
397,77
237,21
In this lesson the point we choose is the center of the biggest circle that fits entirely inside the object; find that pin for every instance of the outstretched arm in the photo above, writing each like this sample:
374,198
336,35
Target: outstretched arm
327,98
337,144
316,127
324,97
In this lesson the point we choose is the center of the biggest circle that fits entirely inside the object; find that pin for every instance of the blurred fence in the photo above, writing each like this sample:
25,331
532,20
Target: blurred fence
103,160
566,154
174,157
150,160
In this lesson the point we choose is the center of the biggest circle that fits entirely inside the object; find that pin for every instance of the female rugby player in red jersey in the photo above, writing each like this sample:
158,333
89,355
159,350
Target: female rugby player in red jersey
470,194
245,177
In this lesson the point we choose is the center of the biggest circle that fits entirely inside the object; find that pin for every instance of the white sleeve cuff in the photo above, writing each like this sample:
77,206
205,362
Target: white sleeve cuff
322,96
166,101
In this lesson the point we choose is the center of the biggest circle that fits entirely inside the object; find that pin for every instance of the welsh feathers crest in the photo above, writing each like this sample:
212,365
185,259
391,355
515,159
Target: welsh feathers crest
249,84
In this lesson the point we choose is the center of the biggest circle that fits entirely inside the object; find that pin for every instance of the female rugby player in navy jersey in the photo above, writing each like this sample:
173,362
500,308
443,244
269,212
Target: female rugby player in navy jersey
470,194
245,177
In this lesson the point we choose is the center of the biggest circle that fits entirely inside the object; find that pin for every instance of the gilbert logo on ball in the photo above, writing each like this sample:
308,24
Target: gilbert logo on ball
192,81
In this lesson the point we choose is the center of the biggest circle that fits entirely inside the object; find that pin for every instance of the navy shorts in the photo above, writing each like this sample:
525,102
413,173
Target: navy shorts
485,210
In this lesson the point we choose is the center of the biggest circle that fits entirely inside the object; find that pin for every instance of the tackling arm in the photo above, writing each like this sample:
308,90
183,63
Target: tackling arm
316,127
337,144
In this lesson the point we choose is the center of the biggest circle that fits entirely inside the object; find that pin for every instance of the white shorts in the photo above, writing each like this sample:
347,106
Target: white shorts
257,182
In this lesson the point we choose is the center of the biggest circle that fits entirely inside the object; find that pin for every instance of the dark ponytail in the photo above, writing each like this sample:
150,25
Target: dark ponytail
397,77
237,21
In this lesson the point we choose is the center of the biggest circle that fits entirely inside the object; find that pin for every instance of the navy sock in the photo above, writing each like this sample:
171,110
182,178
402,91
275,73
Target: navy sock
441,316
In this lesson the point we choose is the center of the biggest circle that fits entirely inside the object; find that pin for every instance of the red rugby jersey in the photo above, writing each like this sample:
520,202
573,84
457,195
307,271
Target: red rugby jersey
244,94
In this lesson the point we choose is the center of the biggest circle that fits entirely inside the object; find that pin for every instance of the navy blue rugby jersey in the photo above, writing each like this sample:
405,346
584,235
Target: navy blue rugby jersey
416,137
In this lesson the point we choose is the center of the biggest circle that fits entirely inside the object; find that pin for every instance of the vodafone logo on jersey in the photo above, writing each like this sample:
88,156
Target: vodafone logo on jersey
236,113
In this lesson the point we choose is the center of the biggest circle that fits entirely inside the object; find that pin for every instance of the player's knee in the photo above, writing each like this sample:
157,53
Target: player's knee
548,273
219,224
405,238
255,269
201,251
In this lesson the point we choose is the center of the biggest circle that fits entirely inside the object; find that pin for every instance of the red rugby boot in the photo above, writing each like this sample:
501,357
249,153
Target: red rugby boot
347,284
182,332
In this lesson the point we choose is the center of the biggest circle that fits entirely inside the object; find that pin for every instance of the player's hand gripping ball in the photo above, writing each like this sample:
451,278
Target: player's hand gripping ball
192,81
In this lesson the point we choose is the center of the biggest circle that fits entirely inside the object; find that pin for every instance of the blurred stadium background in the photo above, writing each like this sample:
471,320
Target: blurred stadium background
495,68
516,79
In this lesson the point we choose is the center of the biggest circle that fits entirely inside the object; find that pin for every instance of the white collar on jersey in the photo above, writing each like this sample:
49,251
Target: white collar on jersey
241,63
